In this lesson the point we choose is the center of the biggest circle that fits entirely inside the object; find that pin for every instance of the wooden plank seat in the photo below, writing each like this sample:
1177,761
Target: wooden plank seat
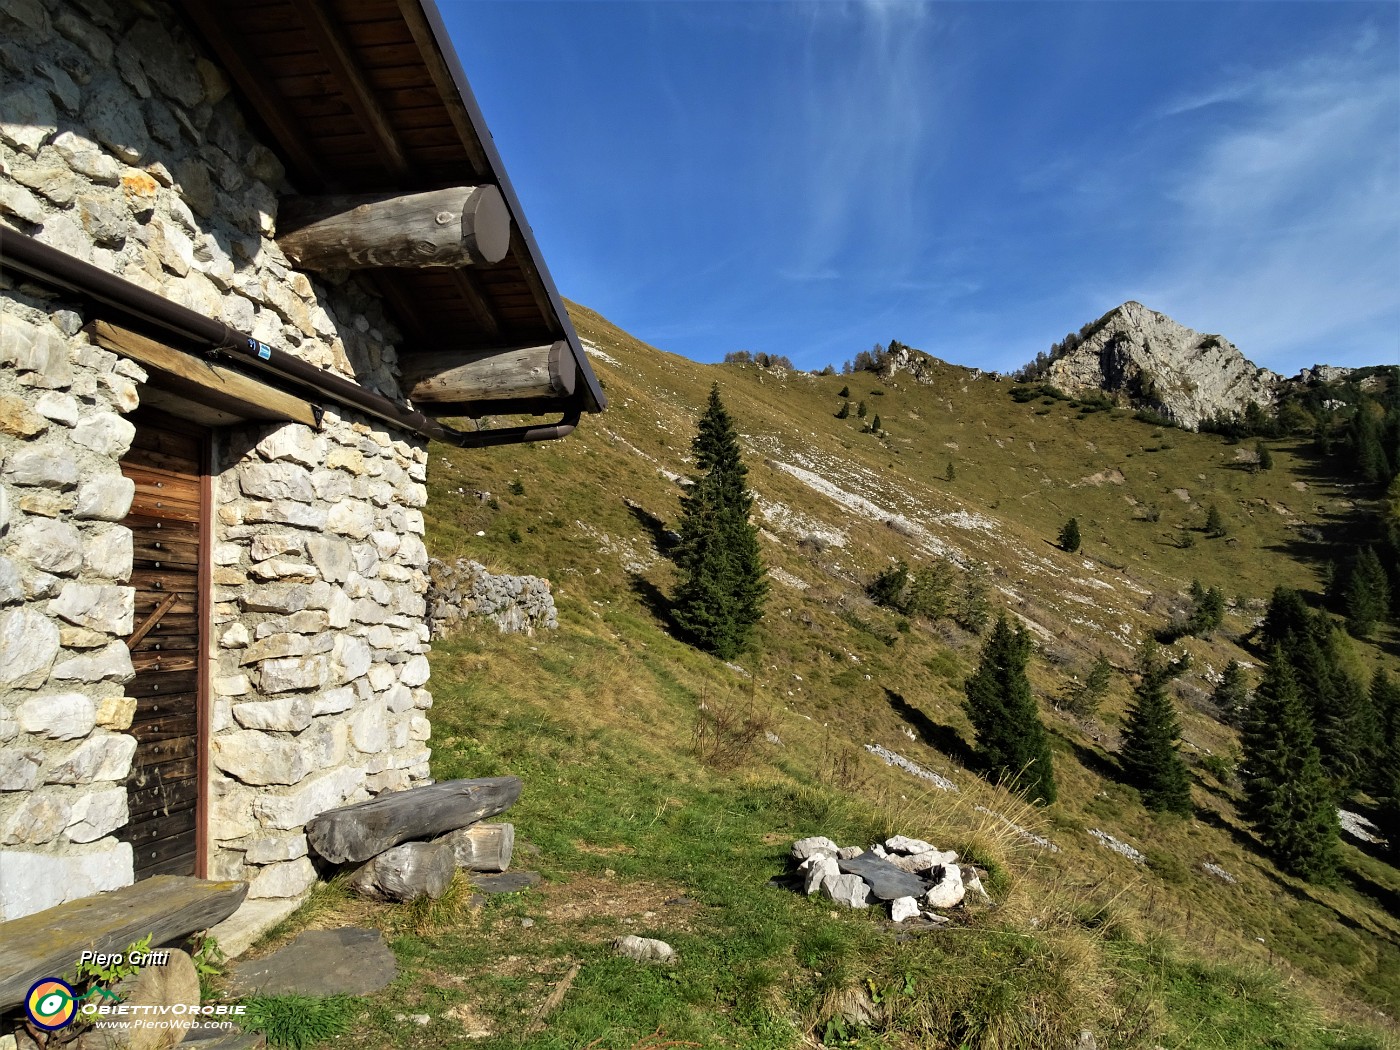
48,943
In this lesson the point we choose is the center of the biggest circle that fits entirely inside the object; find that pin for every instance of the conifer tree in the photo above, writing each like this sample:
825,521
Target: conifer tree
875,424
1010,740
1385,775
1365,593
861,410
950,474
1287,797
1215,524
721,593
972,609
844,411
1069,536
1288,616
845,392
1231,696
1084,700
1149,757
1349,735
1264,459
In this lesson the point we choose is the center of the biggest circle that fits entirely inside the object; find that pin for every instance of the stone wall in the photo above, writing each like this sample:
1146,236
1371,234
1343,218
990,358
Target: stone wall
465,589
121,146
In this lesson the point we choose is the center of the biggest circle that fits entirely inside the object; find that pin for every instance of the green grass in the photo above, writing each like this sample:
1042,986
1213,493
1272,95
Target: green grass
598,719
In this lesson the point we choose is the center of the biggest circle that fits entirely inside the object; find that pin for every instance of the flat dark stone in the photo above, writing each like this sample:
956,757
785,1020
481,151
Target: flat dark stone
348,961
506,882
885,880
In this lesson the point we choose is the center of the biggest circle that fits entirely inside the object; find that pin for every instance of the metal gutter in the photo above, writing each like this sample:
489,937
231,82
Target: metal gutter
25,255
597,400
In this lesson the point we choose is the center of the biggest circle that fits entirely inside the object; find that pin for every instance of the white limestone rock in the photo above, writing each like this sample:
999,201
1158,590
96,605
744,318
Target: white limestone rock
948,892
46,467
904,908
1160,364
109,553
850,890
310,799
113,661
28,645
288,879
98,606
105,498
645,949
804,848
19,770
102,756
907,846
820,867
67,716
106,433
273,849
921,862
283,715
259,759
96,814
31,882
40,818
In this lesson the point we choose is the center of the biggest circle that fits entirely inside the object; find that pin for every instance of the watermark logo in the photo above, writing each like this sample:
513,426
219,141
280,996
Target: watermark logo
51,1004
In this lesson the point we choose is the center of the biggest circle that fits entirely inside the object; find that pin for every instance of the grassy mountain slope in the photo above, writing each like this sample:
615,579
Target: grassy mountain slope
646,826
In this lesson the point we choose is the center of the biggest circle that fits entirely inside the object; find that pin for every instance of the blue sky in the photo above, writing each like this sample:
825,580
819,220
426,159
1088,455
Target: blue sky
974,179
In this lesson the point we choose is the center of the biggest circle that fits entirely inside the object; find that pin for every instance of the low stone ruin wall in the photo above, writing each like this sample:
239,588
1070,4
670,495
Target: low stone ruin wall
464,589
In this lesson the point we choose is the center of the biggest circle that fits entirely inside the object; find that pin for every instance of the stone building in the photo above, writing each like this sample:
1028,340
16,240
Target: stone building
251,255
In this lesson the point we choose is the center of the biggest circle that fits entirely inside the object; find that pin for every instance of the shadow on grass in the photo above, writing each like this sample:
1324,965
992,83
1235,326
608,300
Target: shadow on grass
657,604
936,735
1384,897
663,538
1095,761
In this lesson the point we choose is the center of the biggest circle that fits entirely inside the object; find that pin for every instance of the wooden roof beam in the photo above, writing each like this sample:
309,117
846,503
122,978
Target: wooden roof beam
359,93
424,38
212,21
460,226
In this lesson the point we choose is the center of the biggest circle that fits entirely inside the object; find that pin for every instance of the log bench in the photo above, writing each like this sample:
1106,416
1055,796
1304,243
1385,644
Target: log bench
48,943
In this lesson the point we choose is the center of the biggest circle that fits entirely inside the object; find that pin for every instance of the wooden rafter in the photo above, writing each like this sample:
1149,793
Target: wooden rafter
211,19
423,37
359,93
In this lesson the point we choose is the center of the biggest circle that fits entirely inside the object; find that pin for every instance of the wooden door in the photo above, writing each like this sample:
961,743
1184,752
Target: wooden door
169,525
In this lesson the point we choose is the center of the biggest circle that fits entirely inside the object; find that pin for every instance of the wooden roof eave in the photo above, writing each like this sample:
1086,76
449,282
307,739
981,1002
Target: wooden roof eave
592,392
476,313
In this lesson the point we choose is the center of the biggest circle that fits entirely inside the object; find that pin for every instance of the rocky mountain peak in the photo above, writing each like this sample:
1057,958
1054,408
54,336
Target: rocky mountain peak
1159,364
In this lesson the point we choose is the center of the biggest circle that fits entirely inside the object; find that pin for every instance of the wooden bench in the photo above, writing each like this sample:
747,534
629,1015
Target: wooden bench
48,943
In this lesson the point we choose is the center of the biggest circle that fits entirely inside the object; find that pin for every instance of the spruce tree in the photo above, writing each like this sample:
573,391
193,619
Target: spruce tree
1385,774
1069,536
1263,457
1365,593
721,592
861,410
1215,524
1287,797
1011,742
1231,696
875,424
950,474
1349,735
844,411
1149,757
1288,616
1085,699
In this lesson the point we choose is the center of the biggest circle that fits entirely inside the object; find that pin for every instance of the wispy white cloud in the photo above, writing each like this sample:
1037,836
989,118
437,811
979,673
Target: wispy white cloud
1279,222
864,133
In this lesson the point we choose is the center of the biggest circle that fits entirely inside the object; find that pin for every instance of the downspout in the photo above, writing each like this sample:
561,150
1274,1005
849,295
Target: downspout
25,255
